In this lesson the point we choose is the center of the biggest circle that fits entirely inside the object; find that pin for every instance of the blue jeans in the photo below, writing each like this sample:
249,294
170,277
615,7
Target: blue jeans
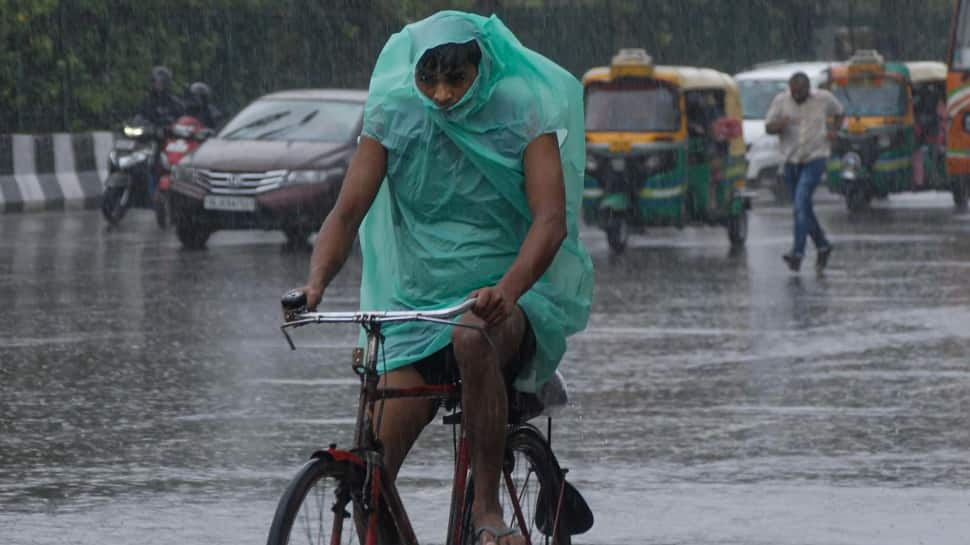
802,179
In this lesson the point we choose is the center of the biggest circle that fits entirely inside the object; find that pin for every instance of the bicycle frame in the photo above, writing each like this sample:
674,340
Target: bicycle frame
366,453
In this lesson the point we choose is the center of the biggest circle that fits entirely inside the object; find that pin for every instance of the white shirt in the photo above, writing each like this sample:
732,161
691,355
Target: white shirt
806,136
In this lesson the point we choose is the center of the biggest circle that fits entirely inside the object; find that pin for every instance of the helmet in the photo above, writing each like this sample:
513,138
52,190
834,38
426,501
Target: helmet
199,89
161,75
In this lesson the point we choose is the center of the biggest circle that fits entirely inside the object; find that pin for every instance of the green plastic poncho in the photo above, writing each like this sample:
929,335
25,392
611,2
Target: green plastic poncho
451,214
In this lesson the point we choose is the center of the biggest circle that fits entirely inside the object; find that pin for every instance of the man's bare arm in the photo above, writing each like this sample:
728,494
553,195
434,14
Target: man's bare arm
367,169
546,196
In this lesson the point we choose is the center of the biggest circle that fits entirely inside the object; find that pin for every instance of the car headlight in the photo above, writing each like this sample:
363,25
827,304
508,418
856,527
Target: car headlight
134,132
131,160
312,176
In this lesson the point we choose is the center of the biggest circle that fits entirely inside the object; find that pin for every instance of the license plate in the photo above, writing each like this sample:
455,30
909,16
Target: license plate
124,144
232,204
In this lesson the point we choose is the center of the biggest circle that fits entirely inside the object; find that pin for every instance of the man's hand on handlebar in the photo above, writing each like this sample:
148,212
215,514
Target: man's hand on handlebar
313,297
493,305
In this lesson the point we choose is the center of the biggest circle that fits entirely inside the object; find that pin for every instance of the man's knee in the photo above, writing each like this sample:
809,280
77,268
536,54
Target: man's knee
471,347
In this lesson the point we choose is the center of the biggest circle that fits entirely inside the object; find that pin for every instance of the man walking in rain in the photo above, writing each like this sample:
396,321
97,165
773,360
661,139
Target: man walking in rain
800,118
469,172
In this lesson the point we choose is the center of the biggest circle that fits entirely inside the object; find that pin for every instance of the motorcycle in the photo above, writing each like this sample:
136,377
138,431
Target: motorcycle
132,163
184,136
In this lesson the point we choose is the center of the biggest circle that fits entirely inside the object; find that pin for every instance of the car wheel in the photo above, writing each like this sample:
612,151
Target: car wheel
191,235
296,236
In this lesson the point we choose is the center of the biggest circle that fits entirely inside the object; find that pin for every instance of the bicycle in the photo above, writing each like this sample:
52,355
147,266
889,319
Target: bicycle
336,486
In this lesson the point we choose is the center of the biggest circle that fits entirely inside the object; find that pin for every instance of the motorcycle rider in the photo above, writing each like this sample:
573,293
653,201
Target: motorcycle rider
160,107
198,104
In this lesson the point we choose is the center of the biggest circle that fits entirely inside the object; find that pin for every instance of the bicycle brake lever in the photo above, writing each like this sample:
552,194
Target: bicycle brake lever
288,339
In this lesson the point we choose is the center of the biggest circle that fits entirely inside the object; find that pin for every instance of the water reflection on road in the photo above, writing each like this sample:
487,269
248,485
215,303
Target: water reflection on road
147,396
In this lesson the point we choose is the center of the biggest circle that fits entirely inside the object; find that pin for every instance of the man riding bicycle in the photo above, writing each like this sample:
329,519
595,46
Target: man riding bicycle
469,172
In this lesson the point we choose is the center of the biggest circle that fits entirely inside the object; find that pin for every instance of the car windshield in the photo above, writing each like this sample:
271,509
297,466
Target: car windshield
303,120
757,94
632,105
880,96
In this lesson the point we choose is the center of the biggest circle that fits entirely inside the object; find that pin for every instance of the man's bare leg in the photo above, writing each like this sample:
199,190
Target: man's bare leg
485,410
401,424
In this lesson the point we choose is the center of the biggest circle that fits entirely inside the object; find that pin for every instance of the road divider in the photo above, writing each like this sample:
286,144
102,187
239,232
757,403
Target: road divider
59,171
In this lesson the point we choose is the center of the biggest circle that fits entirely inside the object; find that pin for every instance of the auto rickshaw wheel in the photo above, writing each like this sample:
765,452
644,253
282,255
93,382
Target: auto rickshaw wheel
959,189
617,232
737,228
857,199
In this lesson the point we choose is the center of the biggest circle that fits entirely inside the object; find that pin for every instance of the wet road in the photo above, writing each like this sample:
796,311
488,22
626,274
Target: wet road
146,395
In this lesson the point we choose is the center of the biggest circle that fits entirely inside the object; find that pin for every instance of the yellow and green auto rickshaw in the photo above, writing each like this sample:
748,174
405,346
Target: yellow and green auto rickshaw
664,148
892,139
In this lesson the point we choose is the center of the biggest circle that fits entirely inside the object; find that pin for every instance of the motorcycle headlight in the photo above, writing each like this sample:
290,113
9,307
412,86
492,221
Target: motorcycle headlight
131,160
134,132
312,176
885,141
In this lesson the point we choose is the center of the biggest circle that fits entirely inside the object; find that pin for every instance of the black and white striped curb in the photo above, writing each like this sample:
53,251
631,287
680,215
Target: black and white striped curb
53,171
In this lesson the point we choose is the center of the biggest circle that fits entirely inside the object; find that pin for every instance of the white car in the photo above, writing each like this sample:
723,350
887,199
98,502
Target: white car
758,87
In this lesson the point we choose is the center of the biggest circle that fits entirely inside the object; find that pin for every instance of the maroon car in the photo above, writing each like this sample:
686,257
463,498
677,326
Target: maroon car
277,165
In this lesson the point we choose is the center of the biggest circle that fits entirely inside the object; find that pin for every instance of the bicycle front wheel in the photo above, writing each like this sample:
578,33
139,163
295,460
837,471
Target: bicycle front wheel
316,507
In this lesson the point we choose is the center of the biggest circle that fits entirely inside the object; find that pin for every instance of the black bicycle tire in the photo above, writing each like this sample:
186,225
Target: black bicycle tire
529,442
296,492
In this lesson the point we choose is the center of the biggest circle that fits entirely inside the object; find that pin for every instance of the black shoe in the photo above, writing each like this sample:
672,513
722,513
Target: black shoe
794,261
822,258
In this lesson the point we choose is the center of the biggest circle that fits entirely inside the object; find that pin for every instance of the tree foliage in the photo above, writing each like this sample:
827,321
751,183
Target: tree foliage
84,64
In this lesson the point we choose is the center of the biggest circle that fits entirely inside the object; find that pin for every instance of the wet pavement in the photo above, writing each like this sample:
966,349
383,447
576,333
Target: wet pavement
147,396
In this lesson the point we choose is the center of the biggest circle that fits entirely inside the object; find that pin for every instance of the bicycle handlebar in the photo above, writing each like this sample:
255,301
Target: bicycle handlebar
296,315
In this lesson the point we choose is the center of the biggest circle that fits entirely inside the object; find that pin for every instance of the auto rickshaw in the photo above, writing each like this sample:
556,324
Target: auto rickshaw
664,148
958,103
892,139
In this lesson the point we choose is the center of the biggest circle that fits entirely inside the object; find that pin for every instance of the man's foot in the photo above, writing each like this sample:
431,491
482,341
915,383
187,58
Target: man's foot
822,259
502,535
794,261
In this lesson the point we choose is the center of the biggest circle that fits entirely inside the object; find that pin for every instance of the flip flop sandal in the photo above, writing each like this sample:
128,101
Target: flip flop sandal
497,533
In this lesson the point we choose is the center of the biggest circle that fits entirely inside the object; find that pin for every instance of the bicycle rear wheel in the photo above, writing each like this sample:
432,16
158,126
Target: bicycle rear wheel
316,506
531,481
